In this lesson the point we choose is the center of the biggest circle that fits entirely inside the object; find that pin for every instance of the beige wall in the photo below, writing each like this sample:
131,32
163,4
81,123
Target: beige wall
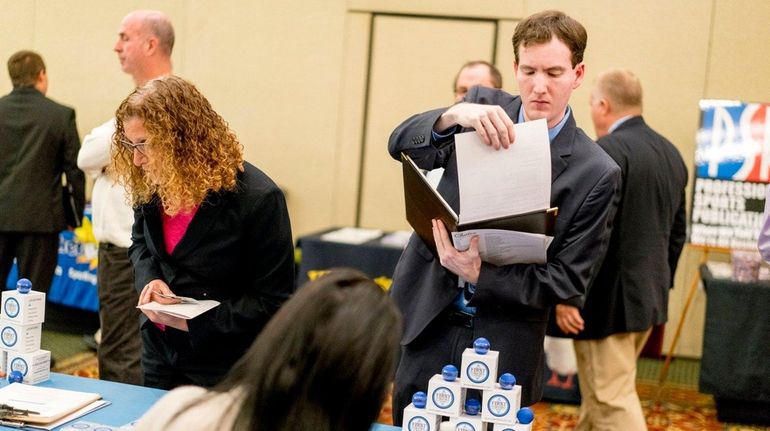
311,86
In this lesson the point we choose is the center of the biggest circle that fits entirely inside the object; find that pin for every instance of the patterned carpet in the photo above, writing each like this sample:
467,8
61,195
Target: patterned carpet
82,364
682,407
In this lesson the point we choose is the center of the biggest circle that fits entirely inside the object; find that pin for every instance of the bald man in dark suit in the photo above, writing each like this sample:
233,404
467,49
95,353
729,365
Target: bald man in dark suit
630,294
38,142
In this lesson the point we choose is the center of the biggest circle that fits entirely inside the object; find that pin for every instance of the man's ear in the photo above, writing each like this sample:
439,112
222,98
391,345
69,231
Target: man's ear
604,106
41,82
152,45
580,73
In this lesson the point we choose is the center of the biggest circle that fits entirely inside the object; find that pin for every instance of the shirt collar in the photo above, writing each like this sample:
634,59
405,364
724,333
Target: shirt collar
617,123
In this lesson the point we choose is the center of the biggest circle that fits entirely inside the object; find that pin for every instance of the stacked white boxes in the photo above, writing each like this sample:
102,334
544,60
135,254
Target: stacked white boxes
500,403
21,321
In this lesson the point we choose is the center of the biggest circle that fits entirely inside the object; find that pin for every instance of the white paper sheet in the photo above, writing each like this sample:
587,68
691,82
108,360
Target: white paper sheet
96,405
505,247
184,311
509,181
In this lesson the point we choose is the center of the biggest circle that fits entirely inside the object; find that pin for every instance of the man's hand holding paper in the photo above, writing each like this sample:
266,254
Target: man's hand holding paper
465,264
491,122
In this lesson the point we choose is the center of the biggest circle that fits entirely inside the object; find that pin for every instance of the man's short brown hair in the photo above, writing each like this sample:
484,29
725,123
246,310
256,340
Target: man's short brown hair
24,67
541,27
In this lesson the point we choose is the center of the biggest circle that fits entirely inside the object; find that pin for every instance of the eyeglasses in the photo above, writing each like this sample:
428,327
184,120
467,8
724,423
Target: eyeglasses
131,147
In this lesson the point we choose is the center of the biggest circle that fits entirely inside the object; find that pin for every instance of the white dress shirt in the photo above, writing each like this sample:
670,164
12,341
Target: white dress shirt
112,215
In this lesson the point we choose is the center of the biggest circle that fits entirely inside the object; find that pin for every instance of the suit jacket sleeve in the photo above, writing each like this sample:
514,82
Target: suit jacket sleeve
75,177
414,137
678,237
566,276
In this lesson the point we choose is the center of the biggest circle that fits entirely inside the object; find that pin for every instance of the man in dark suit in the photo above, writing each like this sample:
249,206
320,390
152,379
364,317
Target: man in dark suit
38,142
630,294
508,305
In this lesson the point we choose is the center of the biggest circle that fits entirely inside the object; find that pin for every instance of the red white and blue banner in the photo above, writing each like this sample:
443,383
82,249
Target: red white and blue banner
732,169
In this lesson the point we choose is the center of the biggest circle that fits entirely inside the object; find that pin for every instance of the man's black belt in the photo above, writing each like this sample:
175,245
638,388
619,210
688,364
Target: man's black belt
457,317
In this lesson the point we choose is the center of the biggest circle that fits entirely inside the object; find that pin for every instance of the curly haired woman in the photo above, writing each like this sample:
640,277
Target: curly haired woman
207,225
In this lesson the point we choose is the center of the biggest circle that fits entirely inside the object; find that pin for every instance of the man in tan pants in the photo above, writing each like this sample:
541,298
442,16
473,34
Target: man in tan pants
630,294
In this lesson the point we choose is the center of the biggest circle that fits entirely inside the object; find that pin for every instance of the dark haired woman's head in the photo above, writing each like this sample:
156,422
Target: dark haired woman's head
324,361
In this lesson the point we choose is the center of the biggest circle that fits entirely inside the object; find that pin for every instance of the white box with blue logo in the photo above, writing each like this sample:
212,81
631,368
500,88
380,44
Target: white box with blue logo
445,397
34,367
479,366
501,405
19,338
23,306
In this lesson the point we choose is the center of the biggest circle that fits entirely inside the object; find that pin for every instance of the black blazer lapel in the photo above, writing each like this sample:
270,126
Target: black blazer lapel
154,237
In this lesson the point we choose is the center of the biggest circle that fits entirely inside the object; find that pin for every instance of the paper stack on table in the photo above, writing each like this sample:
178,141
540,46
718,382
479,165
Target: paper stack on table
46,408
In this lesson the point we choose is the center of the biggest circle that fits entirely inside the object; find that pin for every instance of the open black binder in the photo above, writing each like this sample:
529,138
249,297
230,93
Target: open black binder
424,203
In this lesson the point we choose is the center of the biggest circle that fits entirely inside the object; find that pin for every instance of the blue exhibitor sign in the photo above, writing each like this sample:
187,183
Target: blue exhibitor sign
732,169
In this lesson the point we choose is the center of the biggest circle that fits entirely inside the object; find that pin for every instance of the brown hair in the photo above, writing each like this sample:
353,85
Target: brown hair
192,146
24,67
541,27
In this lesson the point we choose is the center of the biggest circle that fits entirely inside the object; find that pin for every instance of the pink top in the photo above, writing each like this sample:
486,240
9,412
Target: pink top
174,227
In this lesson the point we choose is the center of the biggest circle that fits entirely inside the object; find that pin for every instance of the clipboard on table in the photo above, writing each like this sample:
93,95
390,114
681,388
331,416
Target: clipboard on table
38,406
424,203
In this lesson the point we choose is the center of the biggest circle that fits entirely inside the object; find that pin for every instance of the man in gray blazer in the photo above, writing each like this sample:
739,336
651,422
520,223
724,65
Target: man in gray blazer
508,305
630,294
38,142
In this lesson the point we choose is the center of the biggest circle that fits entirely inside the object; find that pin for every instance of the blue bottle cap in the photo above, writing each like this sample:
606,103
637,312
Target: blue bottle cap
23,285
15,376
472,406
507,380
481,346
449,373
419,399
525,415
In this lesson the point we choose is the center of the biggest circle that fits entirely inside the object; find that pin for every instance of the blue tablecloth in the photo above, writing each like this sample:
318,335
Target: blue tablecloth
74,283
129,402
